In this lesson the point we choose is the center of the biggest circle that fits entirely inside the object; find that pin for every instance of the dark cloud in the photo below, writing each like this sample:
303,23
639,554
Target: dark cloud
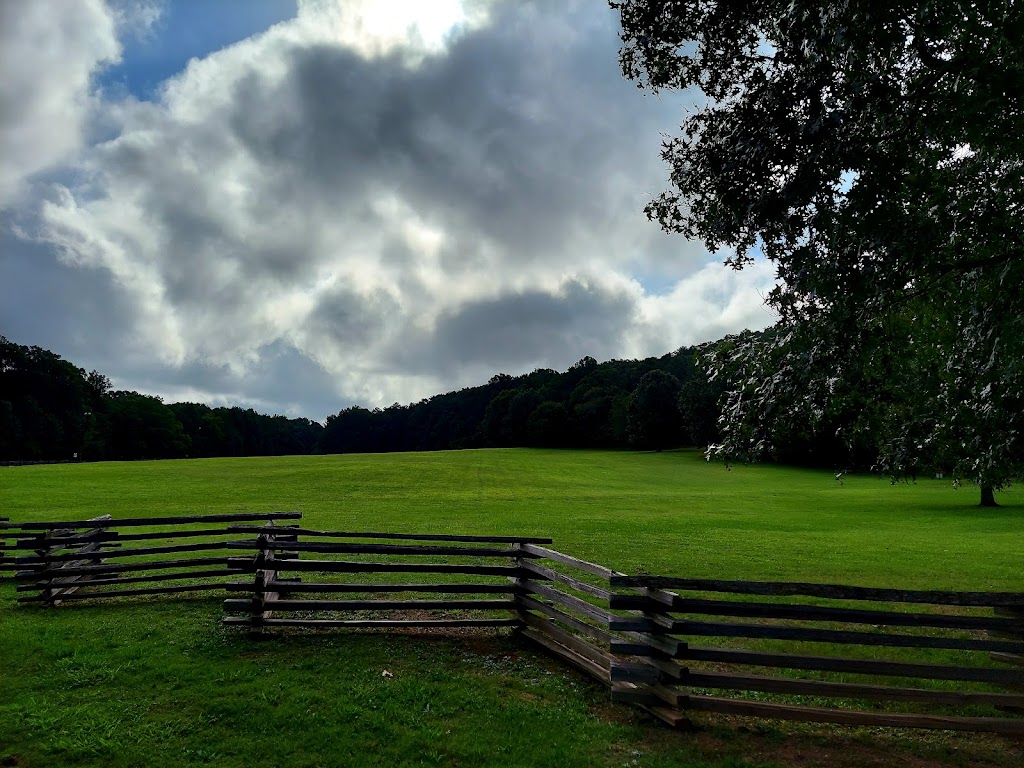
349,319
283,381
294,220
80,314
520,331
513,133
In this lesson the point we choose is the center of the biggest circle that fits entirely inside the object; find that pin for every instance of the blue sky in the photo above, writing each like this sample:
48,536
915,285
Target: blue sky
339,201
186,29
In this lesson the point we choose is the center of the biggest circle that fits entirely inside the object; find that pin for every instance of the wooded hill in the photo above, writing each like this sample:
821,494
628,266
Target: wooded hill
52,410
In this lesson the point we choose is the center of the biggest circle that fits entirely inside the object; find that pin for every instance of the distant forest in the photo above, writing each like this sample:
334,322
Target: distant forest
51,410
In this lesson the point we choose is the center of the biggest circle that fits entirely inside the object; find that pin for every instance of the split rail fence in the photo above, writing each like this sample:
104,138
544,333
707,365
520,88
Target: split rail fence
468,580
953,660
101,557
632,633
949,639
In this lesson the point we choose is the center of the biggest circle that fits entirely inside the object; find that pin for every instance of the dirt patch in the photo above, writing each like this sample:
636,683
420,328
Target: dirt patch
801,745
615,713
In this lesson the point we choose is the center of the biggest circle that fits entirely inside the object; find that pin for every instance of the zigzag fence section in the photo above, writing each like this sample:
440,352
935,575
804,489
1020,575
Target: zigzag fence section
631,633
98,558
946,640
810,652
369,580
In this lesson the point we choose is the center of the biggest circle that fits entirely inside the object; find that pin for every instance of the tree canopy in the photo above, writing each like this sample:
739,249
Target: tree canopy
652,416
51,410
874,152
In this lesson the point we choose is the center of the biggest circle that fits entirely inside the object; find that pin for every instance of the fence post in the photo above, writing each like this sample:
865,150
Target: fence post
265,575
44,552
91,554
673,671
659,649
517,582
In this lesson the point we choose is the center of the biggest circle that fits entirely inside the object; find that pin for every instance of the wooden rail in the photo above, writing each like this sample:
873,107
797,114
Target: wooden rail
59,562
686,672
470,580
631,633
639,635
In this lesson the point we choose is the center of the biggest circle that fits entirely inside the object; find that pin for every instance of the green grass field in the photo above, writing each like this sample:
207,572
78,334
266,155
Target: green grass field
160,683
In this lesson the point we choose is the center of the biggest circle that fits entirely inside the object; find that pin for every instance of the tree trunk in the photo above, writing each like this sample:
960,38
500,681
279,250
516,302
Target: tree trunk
988,498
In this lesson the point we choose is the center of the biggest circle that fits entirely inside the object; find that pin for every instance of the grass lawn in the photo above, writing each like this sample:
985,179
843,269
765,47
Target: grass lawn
160,683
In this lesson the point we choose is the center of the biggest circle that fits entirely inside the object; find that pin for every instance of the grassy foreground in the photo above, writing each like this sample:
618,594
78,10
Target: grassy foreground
161,683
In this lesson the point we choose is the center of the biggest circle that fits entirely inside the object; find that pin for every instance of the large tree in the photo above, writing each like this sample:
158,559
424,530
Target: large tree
142,427
47,405
875,153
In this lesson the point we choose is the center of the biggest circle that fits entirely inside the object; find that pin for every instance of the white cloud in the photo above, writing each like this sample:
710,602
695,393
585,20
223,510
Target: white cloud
706,305
408,223
49,52
376,28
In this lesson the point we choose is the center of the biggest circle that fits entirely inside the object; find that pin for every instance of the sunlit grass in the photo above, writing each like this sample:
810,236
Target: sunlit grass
160,682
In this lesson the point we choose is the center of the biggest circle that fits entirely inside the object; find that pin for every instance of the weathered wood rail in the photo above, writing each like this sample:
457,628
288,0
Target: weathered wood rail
952,660
102,558
631,633
965,622
466,580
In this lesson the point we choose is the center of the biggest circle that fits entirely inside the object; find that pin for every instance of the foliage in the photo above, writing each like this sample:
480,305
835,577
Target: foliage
142,428
584,406
652,416
51,410
548,424
875,153
698,408
244,432
45,403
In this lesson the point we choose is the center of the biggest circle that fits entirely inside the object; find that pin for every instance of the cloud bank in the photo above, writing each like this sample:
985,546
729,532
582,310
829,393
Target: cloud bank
351,207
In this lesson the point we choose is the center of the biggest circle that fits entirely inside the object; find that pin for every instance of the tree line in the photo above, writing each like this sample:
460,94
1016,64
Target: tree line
650,404
52,410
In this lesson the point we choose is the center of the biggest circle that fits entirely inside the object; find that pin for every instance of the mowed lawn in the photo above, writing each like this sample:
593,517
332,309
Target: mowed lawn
160,682
669,512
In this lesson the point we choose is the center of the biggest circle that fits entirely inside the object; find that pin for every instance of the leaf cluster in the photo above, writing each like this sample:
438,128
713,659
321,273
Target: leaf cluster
875,154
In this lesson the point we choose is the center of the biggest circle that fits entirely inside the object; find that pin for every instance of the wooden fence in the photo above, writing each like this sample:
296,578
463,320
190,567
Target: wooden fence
667,644
102,558
565,607
630,632
958,634
468,580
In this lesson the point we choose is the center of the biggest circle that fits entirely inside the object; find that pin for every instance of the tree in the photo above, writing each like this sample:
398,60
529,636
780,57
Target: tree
506,419
599,415
547,426
352,430
875,153
142,427
698,408
652,416
47,401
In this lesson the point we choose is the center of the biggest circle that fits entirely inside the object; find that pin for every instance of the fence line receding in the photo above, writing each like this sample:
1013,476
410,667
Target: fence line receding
98,558
795,651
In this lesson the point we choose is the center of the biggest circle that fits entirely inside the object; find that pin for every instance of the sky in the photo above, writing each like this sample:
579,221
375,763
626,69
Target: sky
303,206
